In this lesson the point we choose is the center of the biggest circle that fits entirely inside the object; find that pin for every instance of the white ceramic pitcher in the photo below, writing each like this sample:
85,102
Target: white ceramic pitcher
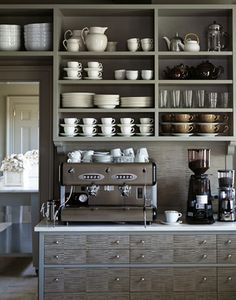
75,34
94,38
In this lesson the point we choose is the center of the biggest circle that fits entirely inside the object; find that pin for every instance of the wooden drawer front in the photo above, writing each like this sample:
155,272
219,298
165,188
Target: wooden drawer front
87,296
68,257
195,241
108,256
226,241
227,256
151,256
54,242
151,241
100,241
194,256
226,296
69,241
227,279
151,296
195,296
65,296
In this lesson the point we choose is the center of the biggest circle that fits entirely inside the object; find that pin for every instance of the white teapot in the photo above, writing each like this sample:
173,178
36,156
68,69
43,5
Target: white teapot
94,38
75,34
191,45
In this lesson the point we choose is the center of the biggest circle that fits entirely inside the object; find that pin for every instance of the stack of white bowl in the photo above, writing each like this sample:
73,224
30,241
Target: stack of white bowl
77,99
10,37
106,100
38,36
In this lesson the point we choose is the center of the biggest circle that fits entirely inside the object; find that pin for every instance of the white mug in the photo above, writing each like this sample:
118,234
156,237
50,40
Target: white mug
172,216
94,73
70,130
140,158
108,121
87,155
127,129
131,74
147,44
71,45
74,64
133,44
89,121
73,73
126,120
146,128
116,152
119,74
129,152
71,121
107,129
89,129
146,120
147,74
95,64
143,151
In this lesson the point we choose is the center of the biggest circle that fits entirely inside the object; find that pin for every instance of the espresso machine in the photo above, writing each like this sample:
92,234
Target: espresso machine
227,203
108,192
199,206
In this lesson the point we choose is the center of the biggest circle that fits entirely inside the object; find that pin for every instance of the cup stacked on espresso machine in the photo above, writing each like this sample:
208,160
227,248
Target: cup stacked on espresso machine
227,203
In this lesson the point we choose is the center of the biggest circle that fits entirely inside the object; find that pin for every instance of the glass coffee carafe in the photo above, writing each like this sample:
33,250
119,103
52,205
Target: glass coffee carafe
217,38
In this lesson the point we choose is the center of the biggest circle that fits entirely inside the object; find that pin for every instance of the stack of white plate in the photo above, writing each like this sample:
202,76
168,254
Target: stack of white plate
77,99
38,36
143,101
102,158
10,37
106,100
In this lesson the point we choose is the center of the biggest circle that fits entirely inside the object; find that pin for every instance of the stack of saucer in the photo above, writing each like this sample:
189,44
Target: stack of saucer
145,127
38,36
73,70
94,70
69,129
106,101
10,39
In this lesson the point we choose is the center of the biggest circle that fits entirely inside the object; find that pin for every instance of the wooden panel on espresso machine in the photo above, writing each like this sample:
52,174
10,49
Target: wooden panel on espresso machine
108,173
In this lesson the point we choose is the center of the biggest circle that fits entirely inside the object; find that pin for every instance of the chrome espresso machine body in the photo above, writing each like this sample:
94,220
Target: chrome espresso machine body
108,192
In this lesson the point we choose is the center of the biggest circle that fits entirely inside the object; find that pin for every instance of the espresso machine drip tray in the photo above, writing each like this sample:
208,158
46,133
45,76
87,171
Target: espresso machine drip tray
106,214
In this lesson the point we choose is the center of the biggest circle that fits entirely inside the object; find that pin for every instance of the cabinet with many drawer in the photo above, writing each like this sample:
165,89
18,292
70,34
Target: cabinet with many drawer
138,266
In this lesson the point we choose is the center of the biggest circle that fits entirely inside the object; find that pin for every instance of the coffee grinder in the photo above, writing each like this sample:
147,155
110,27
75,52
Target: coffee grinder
227,205
199,207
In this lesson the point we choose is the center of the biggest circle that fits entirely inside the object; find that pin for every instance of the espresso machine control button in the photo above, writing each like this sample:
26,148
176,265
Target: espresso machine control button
83,198
71,171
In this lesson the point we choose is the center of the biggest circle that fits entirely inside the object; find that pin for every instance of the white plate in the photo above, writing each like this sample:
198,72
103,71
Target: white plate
83,134
207,134
122,134
69,135
107,135
174,223
145,134
106,106
182,134
72,78
93,78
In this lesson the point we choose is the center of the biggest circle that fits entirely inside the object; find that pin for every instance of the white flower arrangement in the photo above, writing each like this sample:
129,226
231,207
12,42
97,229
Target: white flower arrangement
13,163
32,157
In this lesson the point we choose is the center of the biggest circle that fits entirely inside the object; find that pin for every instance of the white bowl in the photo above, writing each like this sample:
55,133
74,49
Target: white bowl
37,47
9,48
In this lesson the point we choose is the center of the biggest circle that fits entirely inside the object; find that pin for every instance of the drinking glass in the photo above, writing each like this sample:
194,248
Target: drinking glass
200,95
224,99
188,98
212,97
163,98
175,98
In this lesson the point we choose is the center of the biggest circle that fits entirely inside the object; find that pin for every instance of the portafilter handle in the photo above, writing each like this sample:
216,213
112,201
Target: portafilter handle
93,189
125,190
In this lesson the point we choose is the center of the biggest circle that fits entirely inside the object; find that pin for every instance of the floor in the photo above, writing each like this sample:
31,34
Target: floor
18,280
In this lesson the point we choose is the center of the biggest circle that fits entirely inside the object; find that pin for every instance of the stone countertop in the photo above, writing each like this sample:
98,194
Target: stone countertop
45,226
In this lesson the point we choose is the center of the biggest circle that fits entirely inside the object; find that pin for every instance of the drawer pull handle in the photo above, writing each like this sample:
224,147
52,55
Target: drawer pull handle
229,278
204,278
57,256
229,256
204,256
142,242
229,242
56,279
117,256
142,256
117,279
142,279
57,242
117,242
204,242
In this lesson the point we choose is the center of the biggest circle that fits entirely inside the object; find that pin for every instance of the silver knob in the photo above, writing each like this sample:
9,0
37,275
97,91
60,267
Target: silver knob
142,242
117,279
142,255
117,242
142,279
56,279
229,242
229,278
204,256
57,242
204,242
204,278
57,256
229,256
117,256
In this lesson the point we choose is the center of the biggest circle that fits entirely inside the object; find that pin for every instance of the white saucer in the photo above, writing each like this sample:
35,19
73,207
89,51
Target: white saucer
173,223
75,69
182,134
145,134
88,135
69,135
107,135
69,125
72,78
93,78
207,134
126,134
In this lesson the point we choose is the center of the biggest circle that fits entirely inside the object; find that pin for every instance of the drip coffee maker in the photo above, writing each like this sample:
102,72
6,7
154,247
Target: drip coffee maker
199,207
227,205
